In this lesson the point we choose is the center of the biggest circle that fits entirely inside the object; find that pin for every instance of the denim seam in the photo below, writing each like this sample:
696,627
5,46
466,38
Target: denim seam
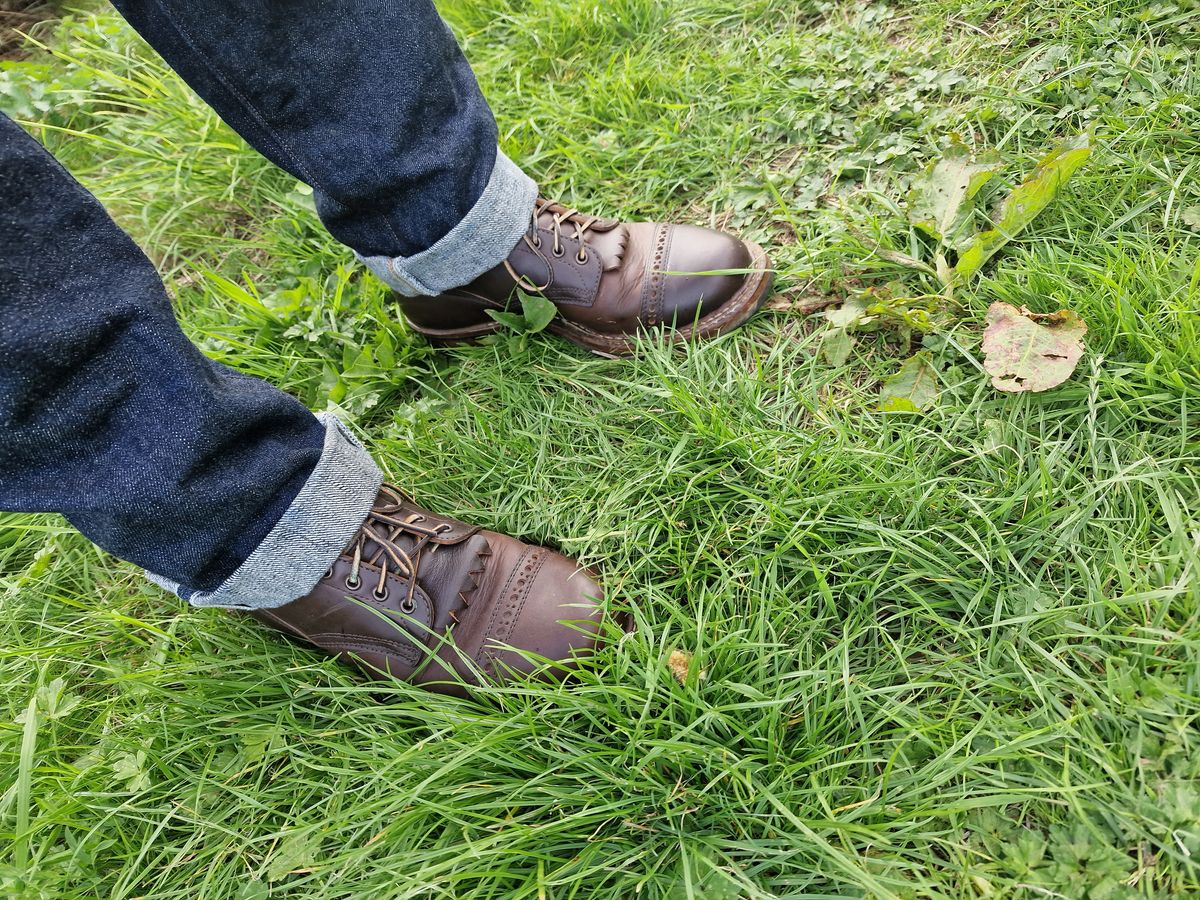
483,239
321,520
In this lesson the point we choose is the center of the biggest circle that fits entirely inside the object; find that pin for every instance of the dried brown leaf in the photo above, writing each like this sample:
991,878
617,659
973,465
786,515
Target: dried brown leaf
680,663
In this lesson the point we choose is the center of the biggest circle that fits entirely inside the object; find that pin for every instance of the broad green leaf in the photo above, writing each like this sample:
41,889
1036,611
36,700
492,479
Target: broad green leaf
1024,204
836,346
913,388
1027,351
538,312
362,365
385,350
849,313
296,851
257,742
130,768
940,200
53,700
512,321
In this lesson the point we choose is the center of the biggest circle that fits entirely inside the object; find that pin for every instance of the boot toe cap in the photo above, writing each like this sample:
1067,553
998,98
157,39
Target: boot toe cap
689,292
554,614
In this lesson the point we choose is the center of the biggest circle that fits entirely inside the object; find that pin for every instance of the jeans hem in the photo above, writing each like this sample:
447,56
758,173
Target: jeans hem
481,241
322,519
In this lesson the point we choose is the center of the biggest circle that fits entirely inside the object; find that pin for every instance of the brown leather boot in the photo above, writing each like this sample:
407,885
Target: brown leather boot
608,279
431,600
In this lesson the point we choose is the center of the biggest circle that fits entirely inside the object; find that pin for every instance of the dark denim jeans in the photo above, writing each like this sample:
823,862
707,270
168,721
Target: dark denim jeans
222,487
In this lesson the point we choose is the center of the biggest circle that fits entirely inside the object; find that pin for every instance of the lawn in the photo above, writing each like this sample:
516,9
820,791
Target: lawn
953,653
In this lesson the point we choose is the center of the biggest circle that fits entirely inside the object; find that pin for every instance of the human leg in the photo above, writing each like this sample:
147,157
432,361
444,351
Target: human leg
372,104
226,489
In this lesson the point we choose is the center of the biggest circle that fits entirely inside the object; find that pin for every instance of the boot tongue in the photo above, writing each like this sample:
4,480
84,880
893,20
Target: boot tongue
548,209
448,573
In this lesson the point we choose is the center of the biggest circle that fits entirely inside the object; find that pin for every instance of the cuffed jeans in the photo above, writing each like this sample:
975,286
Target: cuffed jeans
223,488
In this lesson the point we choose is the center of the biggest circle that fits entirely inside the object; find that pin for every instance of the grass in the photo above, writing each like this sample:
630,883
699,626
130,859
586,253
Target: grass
949,655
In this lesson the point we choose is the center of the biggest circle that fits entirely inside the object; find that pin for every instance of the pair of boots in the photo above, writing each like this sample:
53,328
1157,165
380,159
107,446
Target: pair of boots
437,602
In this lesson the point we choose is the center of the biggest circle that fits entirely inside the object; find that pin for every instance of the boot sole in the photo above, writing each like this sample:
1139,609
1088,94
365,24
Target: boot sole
732,314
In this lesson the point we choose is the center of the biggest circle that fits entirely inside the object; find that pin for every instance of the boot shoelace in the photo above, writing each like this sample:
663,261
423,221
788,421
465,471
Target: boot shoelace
533,239
383,527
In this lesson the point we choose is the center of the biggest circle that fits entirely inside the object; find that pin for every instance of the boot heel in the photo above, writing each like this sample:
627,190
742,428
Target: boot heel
450,318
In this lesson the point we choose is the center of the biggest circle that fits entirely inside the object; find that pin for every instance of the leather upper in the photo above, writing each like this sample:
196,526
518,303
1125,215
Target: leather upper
432,600
608,277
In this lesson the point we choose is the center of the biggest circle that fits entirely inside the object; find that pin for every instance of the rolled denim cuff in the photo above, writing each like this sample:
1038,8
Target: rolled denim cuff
322,519
481,241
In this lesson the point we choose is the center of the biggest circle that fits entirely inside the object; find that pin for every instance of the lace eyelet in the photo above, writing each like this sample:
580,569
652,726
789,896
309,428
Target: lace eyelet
443,528
582,258
353,583
328,573
381,597
558,252
407,605
537,241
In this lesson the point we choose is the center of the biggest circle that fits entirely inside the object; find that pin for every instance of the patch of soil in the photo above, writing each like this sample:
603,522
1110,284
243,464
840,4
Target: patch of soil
17,16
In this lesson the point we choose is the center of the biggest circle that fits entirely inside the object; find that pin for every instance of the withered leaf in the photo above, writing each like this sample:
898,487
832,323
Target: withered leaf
1028,351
